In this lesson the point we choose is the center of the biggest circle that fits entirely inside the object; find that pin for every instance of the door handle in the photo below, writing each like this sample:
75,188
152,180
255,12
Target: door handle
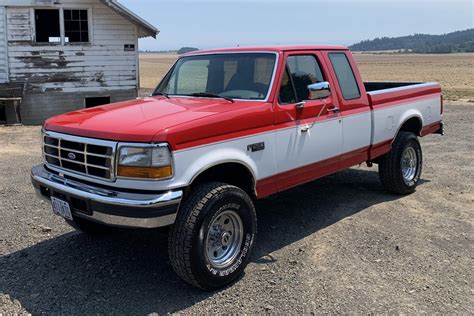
305,128
299,105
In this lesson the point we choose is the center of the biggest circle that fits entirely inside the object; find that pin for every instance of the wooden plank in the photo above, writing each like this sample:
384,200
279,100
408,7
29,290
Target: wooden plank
3,48
14,27
117,38
67,54
86,89
85,74
26,47
114,30
71,59
81,84
22,38
27,3
75,77
17,22
98,22
72,86
56,64
107,27
76,69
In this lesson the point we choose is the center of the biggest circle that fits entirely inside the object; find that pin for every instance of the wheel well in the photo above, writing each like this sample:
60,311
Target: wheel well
231,173
412,125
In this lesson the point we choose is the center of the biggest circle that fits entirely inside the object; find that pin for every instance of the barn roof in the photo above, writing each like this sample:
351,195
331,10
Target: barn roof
145,29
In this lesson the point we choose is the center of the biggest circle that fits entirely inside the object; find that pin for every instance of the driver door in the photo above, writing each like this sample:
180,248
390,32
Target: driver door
308,135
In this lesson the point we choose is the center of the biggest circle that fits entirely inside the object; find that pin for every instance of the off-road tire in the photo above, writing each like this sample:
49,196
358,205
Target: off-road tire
187,237
390,165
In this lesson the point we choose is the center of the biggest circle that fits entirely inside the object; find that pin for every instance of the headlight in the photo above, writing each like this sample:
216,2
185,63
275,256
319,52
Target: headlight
147,161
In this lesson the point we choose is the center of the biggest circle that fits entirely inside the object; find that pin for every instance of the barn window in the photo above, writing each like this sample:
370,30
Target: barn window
47,26
76,26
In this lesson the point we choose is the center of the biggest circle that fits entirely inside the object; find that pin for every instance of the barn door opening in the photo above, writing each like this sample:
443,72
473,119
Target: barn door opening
3,114
96,101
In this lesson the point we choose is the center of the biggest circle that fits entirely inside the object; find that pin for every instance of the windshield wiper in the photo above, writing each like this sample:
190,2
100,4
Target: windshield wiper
210,95
161,93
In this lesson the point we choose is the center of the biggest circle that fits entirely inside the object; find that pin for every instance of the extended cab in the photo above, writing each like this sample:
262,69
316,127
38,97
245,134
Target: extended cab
223,128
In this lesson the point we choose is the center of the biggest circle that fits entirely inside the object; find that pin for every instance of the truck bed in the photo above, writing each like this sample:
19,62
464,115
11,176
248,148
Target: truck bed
384,92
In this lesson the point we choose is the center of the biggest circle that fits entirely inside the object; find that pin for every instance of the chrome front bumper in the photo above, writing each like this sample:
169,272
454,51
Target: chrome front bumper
106,205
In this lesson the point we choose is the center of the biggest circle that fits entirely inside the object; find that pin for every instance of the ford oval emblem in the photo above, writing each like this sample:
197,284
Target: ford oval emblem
71,156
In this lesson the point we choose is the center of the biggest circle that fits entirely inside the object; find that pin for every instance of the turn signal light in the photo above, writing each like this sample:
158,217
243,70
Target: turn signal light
145,172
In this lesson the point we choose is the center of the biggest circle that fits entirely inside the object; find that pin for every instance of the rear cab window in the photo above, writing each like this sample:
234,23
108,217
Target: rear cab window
345,76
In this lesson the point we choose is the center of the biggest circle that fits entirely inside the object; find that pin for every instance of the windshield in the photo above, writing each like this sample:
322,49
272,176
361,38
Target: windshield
236,76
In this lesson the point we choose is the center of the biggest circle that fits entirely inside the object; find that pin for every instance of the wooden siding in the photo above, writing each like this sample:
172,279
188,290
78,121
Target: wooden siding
18,25
35,110
99,67
3,48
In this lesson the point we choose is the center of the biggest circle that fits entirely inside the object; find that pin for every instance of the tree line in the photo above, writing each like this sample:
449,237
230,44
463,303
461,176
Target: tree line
460,41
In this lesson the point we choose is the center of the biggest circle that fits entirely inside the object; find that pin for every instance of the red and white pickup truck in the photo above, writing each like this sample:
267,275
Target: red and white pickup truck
223,128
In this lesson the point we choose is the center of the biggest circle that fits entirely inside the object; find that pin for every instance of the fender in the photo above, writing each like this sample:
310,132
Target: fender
405,117
383,146
189,164
239,162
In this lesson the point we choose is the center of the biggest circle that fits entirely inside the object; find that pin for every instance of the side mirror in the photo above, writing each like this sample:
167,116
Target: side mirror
319,90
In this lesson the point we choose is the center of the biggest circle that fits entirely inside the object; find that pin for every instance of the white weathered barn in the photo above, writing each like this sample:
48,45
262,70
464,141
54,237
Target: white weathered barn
61,55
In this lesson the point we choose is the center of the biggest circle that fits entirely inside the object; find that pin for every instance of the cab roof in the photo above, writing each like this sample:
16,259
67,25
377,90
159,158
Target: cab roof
275,48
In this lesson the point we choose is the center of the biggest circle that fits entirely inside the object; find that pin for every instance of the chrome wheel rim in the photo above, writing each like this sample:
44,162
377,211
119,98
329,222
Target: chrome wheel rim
224,239
409,164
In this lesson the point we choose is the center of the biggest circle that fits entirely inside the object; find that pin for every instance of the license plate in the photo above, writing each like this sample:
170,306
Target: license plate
61,208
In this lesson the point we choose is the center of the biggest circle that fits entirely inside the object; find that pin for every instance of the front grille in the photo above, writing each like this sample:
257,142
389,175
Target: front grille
80,155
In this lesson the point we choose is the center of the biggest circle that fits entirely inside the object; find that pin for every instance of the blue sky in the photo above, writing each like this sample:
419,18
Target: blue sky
226,23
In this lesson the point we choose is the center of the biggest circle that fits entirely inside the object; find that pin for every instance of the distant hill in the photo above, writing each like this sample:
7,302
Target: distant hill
184,50
460,41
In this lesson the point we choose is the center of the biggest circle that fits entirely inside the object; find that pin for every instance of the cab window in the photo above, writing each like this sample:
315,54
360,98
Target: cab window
345,76
287,93
301,71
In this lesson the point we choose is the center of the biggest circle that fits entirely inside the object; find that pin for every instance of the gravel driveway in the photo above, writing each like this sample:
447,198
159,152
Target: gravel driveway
337,245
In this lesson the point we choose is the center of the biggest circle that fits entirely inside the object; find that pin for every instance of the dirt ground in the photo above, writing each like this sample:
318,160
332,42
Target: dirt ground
337,245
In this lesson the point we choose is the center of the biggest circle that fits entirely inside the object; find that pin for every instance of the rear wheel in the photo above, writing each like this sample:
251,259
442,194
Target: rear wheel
211,241
400,169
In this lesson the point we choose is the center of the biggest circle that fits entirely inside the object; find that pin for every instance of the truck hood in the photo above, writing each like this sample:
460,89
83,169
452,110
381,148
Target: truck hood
140,120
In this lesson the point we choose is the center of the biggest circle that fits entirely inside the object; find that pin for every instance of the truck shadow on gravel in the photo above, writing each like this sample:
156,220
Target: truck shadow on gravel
129,273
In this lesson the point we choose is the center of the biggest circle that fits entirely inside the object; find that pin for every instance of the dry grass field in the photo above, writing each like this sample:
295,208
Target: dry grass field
455,72
152,69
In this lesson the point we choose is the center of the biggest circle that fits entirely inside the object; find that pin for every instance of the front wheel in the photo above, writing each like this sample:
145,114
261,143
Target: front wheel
211,241
400,169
